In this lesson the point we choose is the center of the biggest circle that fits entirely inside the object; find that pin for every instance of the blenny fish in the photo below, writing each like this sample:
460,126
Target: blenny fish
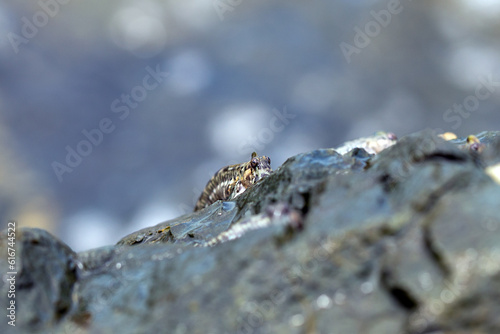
231,181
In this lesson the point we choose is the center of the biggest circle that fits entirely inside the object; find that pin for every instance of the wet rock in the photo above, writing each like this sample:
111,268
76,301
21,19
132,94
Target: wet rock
405,241
193,228
46,271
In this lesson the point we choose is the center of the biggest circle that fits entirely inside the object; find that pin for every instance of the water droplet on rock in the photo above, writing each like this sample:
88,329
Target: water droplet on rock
323,301
297,320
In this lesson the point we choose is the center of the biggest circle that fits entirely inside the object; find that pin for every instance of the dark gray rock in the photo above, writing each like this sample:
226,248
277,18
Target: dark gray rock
191,228
406,241
46,273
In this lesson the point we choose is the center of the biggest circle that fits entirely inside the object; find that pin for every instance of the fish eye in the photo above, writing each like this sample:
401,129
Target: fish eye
254,162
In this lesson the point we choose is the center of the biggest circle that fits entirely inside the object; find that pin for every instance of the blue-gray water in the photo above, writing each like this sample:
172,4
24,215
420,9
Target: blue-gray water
114,115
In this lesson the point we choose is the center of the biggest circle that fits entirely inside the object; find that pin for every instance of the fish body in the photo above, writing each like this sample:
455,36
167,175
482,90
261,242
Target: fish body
231,181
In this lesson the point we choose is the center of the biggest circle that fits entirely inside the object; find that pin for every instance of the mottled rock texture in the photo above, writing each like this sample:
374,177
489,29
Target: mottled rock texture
407,241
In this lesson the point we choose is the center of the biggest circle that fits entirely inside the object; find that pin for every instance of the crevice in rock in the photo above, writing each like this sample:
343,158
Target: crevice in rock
457,182
399,294
306,202
434,252
445,156
403,298
387,181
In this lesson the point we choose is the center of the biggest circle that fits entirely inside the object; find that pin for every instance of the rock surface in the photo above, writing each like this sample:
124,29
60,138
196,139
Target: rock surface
406,241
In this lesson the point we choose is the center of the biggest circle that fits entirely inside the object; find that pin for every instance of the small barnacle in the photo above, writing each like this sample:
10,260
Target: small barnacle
472,144
448,136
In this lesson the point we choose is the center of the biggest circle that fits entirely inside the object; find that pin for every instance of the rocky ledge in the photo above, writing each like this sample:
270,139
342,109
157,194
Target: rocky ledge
405,241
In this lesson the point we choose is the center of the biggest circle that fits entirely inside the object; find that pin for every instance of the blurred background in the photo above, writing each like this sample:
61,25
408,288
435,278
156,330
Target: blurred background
115,114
